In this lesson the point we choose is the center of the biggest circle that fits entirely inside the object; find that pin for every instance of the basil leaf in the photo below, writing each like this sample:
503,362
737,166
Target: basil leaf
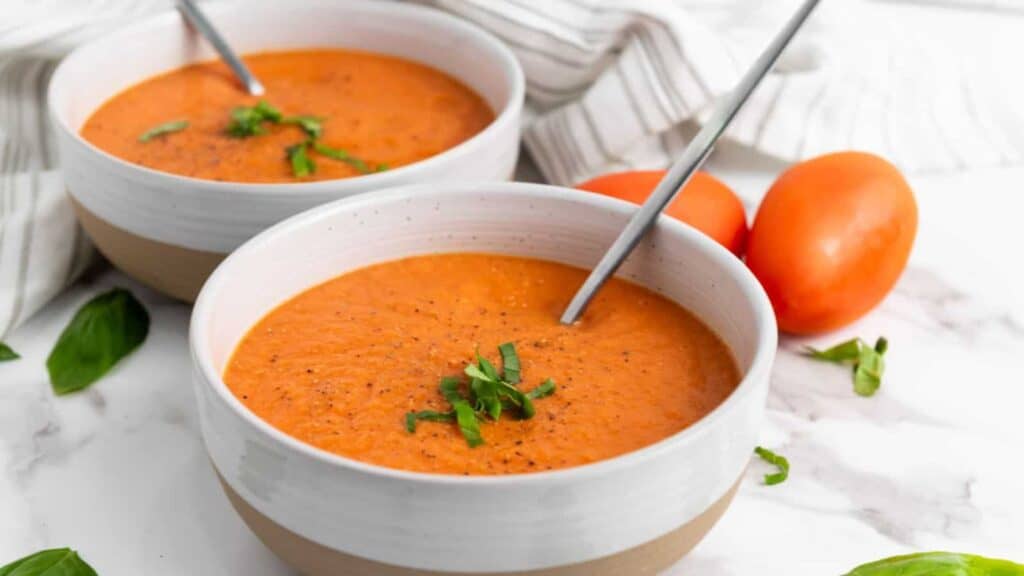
519,400
302,164
490,395
7,353
867,374
868,364
450,389
938,564
468,424
245,122
428,415
487,367
881,345
248,121
163,129
486,393
102,332
342,155
311,125
546,388
465,416
509,363
846,352
54,562
267,112
382,167
474,371
778,461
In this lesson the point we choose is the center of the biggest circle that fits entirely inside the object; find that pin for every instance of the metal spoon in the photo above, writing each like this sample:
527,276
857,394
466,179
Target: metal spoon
190,10
681,171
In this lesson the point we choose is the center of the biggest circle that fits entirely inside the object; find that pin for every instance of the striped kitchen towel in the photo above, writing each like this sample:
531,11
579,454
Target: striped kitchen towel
933,85
618,85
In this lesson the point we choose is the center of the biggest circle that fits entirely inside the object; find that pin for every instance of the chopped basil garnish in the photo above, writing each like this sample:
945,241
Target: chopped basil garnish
54,562
427,416
547,388
163,129
778,461
484,385
302,164
343,156
102,332
868,362
464,414
7,353
509,362
489,395
248,121
311,125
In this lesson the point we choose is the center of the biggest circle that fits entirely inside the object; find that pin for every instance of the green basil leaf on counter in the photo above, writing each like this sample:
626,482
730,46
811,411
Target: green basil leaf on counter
102,332
7,353
845,352
867,374
780,462
518,399
938,564
868,362
54,562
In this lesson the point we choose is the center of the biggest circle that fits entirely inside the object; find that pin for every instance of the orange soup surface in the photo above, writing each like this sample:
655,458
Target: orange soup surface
380,109
340,365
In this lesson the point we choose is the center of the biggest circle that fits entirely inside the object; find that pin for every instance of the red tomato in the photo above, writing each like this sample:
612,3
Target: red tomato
705,203
831,238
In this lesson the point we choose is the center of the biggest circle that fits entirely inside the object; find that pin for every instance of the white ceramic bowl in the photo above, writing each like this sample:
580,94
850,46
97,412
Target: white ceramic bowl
170,231
504,524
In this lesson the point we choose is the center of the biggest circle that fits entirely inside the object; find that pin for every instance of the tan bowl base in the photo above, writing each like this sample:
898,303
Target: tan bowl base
177,272
312,559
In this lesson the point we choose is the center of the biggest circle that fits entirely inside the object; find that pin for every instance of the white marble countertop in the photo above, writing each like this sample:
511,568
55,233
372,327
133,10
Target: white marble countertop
934,461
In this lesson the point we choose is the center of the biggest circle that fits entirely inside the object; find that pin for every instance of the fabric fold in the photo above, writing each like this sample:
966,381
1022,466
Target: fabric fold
613,85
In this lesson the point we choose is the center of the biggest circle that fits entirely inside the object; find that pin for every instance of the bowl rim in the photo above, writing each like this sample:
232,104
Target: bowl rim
508,113
760,365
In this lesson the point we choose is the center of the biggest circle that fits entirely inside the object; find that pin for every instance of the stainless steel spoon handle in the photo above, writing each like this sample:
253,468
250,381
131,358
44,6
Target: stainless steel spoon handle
198,21
694,155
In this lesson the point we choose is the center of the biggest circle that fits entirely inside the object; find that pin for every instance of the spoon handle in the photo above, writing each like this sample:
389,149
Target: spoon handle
199,21
680,172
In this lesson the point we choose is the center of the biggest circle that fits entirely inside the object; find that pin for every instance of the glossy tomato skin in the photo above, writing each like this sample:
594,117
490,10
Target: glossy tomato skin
706,203
831,238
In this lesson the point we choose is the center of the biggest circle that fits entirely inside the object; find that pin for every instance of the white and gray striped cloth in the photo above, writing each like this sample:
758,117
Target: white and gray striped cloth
934,85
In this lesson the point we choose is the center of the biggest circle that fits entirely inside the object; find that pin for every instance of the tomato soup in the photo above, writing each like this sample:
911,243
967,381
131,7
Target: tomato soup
340,365
384,111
